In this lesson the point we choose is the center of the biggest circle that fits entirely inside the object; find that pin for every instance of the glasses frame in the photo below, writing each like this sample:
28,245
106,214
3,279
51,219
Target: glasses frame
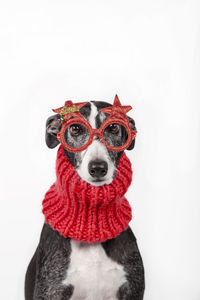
79,119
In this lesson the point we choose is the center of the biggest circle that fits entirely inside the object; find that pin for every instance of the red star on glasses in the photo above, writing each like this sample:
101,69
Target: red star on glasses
117,108
69,110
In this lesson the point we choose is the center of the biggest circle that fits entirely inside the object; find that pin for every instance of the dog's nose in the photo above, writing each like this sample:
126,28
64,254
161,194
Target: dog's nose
98,168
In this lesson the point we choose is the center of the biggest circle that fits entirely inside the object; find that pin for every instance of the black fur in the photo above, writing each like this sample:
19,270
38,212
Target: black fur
50,262
48,267
124,250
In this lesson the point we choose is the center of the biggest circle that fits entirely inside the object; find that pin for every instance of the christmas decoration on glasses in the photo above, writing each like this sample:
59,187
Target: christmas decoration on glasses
77,134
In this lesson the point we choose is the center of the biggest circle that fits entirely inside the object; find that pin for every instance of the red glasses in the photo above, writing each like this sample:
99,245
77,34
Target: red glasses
77,134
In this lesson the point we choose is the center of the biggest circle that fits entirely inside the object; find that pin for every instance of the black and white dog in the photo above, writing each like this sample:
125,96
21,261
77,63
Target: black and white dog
63,268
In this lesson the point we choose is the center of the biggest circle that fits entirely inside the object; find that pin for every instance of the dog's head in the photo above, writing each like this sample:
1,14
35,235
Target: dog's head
97,165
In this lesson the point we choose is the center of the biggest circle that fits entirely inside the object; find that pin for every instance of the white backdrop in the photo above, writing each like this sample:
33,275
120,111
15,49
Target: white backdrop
149,53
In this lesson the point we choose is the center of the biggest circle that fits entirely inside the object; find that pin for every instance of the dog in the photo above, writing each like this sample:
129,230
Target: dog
107,270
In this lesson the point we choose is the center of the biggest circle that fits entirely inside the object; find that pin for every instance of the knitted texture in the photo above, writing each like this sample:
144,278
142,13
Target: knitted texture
85,212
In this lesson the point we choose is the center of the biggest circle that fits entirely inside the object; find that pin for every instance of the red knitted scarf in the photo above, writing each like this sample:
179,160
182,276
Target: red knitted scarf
85,212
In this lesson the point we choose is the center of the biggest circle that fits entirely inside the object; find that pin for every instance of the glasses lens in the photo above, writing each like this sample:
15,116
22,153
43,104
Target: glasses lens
115,135
76,135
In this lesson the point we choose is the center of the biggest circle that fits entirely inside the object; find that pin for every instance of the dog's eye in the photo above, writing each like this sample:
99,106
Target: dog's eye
114,128
75,129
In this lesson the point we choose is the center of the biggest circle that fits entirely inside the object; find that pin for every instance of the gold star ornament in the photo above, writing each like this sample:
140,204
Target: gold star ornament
69,110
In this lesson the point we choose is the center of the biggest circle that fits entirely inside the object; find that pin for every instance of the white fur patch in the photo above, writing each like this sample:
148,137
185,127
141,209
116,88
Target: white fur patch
93,114
102,116
96,150
92,273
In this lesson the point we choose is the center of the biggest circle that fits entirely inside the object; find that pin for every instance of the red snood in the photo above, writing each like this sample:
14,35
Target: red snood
84,212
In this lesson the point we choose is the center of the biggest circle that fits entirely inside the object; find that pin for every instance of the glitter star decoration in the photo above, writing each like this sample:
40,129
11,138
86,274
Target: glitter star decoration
117,108
69,110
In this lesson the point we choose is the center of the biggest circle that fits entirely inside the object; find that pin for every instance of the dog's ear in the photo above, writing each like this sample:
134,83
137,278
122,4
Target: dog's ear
132,125
52,128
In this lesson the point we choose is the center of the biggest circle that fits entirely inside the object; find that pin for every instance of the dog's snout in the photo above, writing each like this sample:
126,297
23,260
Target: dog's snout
98,168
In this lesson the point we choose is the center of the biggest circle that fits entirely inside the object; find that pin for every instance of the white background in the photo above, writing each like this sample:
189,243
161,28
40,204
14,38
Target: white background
148,52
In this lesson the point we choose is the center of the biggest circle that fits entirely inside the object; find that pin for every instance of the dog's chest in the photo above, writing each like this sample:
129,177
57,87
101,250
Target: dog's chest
92,273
